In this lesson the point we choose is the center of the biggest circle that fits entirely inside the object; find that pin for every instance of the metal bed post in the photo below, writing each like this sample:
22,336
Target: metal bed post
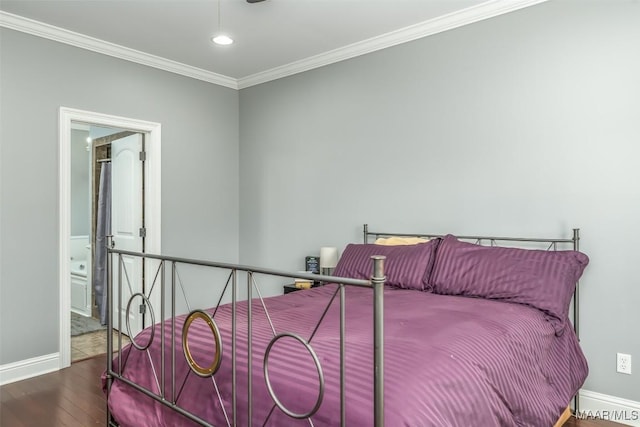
377,282
343,333
576,293
234,313
173,332
162,389
249,351
576,313
109,329
119,313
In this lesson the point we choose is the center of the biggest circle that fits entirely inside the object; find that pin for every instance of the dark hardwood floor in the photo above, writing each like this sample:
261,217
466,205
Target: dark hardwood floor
69,397
73,397
572,422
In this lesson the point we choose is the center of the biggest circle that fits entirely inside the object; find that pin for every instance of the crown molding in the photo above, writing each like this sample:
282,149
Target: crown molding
440,24
486,10
40,29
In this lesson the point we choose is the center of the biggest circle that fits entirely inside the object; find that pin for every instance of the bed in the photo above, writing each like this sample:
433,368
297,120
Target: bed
444,332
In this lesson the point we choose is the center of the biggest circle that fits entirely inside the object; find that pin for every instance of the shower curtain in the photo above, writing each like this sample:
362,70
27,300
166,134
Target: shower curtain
103,229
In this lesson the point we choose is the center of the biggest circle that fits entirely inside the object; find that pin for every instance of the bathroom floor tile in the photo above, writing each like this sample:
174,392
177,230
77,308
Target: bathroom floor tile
93,344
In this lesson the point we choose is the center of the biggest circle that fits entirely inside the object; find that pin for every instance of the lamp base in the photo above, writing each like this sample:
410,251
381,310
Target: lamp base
327,271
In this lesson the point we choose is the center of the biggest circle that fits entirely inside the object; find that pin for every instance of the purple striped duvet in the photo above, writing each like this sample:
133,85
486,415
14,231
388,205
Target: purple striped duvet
449,361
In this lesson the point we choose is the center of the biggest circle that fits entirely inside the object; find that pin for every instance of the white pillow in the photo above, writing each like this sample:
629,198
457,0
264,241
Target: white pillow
397,241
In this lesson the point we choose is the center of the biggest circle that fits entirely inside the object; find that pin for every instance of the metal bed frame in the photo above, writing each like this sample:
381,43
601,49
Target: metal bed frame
170,286
169,398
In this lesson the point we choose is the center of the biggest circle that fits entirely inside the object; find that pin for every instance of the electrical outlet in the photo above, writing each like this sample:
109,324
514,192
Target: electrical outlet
623,364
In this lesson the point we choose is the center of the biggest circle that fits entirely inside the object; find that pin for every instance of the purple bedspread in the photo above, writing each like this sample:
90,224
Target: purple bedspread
449,361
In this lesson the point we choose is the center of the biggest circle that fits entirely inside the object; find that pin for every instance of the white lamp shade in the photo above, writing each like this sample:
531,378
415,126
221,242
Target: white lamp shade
328,257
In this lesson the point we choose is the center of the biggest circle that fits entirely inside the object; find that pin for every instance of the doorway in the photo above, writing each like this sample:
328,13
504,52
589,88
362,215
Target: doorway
130,137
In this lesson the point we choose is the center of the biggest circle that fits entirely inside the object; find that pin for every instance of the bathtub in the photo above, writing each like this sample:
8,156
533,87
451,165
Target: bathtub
79,267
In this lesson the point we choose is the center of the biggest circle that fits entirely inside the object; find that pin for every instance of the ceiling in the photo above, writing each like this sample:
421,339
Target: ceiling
273,38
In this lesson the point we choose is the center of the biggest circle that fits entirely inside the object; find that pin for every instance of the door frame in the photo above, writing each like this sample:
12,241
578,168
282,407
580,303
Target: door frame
152,202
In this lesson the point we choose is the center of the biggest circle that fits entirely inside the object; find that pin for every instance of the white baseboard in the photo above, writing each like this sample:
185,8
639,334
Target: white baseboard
610,408
28,368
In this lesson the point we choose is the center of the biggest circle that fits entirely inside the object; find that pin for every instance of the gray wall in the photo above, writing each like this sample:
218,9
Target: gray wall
525,124
80,181
199,169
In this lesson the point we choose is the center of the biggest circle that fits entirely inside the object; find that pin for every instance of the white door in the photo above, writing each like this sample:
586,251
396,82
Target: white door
126,225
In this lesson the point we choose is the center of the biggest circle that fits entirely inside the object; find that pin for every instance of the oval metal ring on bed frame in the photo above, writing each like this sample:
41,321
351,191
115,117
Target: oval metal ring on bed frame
197,369
318,368
128,321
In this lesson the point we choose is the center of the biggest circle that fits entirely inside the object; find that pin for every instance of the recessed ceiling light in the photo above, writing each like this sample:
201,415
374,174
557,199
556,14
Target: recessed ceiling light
222,39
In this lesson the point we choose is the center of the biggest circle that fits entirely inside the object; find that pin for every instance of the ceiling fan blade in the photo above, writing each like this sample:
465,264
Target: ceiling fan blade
254,1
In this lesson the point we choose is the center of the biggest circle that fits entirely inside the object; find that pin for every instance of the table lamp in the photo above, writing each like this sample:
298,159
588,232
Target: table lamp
328,260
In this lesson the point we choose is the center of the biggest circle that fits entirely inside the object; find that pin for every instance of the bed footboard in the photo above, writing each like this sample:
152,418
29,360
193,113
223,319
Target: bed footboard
166,336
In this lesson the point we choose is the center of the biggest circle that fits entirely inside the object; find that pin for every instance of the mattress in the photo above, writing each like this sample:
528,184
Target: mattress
449,361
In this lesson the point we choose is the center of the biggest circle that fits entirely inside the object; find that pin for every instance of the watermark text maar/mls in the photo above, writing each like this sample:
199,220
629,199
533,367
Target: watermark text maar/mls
621,415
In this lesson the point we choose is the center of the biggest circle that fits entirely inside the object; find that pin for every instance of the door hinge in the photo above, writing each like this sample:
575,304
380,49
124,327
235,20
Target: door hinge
143,308
143,156
143,232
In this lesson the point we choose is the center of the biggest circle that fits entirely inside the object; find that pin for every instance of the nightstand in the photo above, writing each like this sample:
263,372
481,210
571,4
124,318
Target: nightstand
292,288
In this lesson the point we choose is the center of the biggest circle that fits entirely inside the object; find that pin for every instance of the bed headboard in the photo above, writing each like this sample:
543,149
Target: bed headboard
550,244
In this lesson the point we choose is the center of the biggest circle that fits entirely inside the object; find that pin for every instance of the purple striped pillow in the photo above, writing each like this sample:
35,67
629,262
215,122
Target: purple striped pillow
541,279
406,266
